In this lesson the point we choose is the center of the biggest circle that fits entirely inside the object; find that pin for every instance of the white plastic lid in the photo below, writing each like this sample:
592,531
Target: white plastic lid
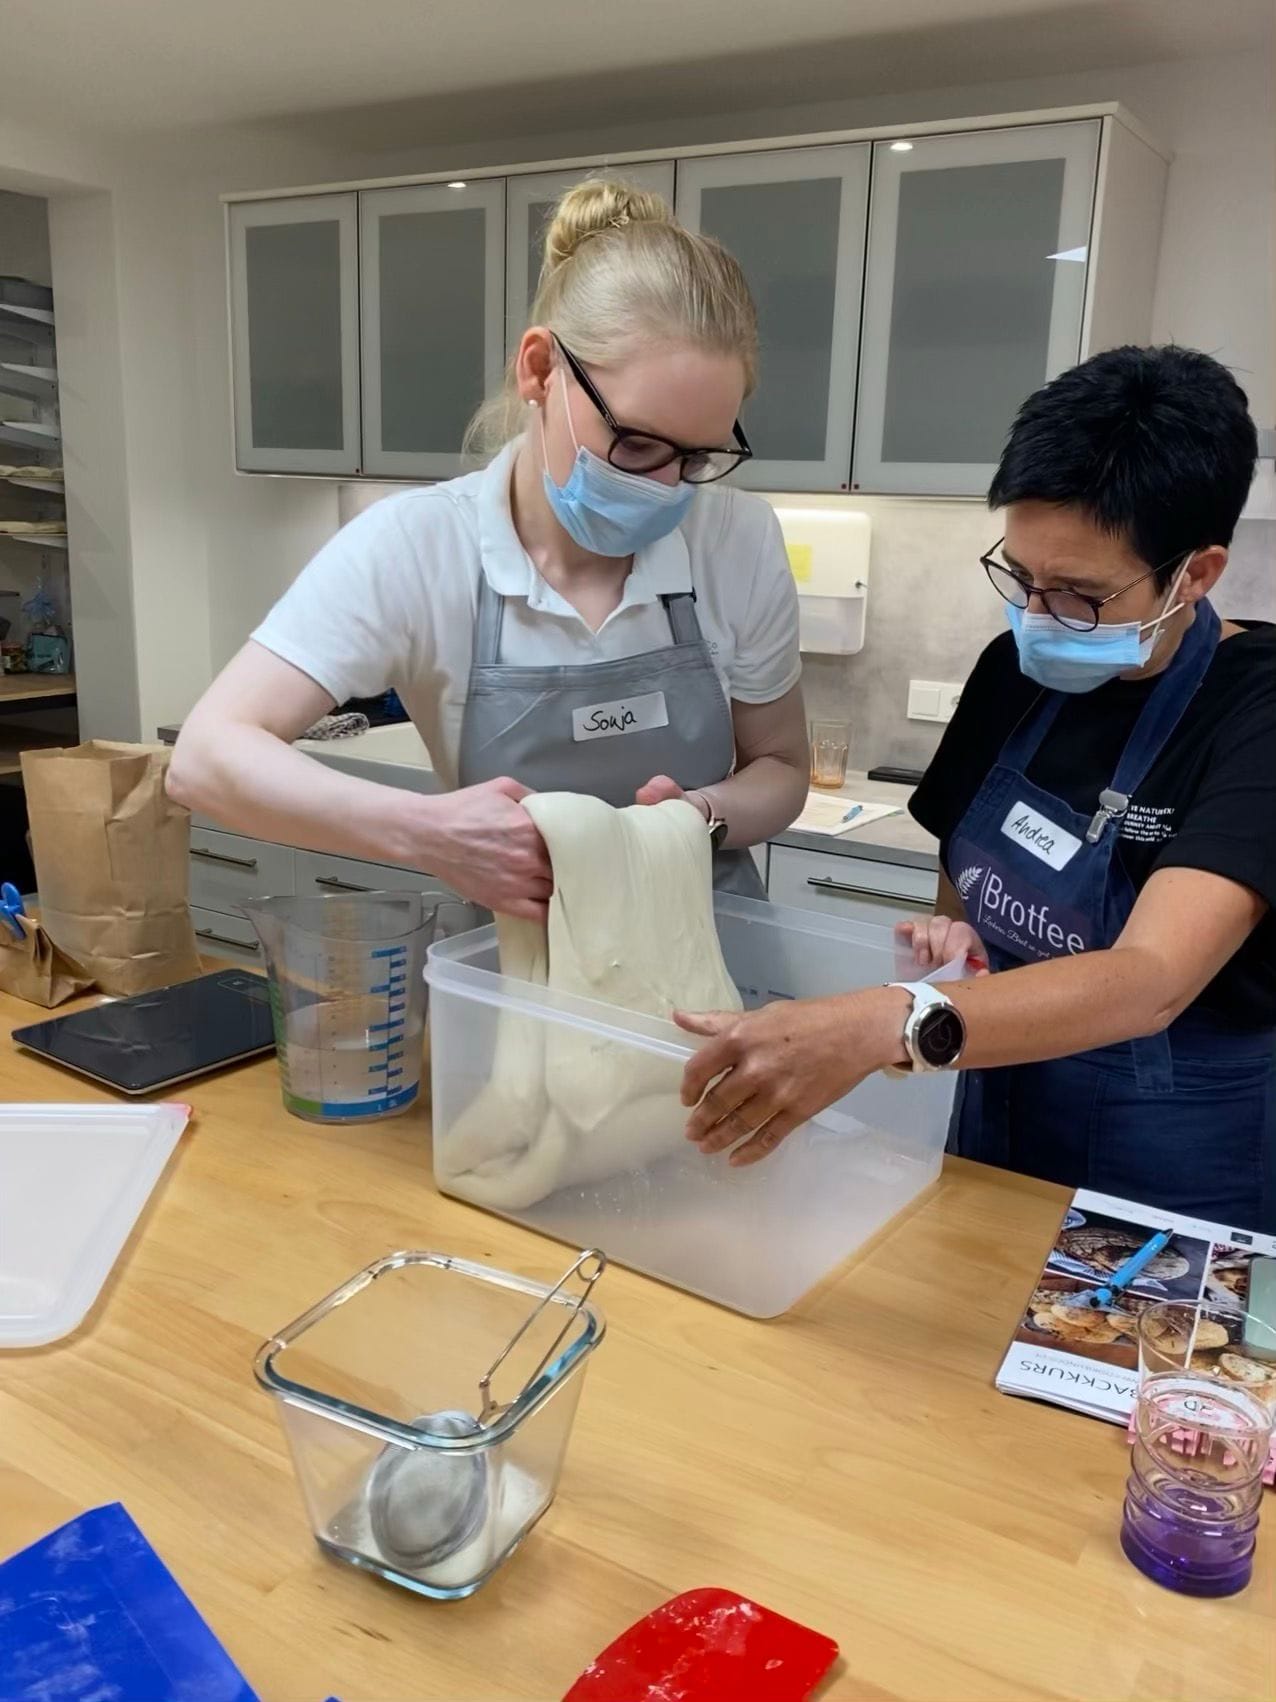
73,1181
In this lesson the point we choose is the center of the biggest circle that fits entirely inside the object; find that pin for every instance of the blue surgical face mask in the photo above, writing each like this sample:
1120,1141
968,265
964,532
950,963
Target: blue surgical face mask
610,512
1063,660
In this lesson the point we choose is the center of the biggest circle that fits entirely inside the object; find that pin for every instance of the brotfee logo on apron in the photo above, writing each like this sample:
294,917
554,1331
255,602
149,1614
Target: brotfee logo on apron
1009,913
625,715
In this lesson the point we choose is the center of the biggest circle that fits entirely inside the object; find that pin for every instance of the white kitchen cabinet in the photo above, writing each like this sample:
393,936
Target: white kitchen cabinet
224,936
795,220
974,296
227,869
530,200
319,873
858,889
294,314
432,292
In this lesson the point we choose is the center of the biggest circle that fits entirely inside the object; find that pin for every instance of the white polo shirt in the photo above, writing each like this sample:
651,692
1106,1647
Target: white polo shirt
392,600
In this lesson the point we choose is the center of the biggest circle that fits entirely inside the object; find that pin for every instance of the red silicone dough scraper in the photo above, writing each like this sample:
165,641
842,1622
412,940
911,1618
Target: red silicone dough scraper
708,1646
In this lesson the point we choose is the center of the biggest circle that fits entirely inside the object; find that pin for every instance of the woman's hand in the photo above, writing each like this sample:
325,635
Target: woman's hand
765,1073
482,843
936,940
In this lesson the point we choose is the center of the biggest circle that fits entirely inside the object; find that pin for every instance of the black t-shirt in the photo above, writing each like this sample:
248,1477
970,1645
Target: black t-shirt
1209,801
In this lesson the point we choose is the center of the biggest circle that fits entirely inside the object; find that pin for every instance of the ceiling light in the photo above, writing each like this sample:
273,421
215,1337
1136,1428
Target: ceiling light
901,147
458,185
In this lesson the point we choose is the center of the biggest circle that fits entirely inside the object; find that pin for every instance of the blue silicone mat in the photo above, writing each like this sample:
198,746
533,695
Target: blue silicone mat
90,1613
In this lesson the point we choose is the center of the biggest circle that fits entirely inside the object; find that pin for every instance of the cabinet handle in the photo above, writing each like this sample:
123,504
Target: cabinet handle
225,940
336,884
825,883
223,857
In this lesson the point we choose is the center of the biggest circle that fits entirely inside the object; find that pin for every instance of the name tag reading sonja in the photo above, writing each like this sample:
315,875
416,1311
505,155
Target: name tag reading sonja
626,715
1040,836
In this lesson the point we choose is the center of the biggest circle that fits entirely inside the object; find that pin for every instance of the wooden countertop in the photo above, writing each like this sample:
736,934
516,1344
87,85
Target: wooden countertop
849,1464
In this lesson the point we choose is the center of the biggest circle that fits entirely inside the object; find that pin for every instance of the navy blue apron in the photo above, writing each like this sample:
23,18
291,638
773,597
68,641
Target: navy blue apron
1185,1119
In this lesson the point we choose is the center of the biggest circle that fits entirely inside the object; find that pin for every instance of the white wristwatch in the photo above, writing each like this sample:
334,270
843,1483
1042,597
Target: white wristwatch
934,1032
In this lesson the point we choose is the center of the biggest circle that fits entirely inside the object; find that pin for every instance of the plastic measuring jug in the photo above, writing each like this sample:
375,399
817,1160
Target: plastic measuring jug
347,990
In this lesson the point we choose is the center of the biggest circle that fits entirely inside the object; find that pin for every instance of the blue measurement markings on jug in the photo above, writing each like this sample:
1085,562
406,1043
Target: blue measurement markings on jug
385,1053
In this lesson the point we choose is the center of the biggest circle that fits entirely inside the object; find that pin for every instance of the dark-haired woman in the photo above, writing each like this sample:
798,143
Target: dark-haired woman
1105,802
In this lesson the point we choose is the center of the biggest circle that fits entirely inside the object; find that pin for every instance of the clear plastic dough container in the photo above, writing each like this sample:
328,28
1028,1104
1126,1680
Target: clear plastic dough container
563,1114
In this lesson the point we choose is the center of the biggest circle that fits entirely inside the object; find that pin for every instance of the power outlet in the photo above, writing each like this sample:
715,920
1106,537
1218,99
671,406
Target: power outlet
932,700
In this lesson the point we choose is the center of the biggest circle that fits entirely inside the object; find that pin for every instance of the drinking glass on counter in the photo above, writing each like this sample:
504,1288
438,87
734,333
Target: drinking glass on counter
1201,1442
830,744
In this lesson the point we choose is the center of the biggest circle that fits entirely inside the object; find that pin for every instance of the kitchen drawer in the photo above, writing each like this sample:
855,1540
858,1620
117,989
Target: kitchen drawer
317,872
226,936
856,888
227,870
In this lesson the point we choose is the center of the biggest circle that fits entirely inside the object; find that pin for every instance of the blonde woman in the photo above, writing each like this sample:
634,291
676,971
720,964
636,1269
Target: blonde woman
593,612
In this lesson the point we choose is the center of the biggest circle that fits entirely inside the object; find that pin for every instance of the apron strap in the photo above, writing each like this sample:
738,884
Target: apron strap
1168,703
684,624
487,624
1026,736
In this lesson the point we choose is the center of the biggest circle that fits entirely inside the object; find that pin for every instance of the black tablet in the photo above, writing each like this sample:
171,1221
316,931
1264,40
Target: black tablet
154,1040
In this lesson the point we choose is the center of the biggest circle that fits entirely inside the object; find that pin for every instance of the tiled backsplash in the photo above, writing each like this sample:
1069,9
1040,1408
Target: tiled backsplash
931,610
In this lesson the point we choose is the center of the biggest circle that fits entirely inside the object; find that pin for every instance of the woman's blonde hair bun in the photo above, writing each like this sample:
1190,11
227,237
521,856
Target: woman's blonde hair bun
599,205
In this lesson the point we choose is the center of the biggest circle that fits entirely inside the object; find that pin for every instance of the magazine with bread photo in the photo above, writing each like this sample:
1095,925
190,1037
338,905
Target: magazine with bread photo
1087,1358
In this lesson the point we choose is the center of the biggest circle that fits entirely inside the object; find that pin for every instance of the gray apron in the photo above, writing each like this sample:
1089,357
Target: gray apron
603,728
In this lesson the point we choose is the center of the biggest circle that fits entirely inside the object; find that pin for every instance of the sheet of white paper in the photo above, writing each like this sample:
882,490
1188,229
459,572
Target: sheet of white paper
824,813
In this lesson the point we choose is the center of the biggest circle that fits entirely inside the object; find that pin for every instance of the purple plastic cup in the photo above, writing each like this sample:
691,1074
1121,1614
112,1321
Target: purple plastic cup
1196,1479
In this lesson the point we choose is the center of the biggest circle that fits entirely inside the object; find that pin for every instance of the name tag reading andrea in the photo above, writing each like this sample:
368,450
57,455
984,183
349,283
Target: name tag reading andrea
626,715
1040,836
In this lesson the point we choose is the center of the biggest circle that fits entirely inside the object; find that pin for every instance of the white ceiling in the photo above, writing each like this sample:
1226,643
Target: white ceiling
127,66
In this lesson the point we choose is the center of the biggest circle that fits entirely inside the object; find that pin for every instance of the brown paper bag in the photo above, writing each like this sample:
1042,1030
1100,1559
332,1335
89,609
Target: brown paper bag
112,863
33,968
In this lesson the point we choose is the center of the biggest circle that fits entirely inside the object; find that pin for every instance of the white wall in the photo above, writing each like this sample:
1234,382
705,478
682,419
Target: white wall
188,555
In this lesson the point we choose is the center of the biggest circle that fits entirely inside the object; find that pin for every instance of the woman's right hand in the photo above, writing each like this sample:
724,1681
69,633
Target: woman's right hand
485,846
936,940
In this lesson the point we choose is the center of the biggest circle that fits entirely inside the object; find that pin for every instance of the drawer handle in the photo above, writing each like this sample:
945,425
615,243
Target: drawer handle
335,884
223,857
225,940
825,883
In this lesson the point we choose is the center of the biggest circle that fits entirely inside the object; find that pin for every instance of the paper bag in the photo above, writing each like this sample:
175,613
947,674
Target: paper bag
112,863
33,968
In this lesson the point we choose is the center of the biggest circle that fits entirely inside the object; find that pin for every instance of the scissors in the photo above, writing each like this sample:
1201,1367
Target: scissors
11,907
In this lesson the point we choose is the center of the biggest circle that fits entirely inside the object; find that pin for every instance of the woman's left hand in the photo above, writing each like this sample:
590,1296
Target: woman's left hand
764,1073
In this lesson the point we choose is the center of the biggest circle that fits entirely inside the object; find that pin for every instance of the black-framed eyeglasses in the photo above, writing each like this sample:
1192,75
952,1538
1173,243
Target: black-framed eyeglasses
1072,609
640,452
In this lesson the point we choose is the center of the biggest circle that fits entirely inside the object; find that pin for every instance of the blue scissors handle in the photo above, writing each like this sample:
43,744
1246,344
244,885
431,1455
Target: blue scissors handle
11,907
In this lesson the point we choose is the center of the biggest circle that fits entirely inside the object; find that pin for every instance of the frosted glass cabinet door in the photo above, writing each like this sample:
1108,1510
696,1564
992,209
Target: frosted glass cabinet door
294,320
795,221
973,297
530,201
432,287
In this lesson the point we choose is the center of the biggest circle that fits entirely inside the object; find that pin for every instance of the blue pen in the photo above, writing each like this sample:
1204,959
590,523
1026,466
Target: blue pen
855,810
1124,1275
11,907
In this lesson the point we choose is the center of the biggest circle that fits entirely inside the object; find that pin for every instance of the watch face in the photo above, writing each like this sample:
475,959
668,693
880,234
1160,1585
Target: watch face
940,1036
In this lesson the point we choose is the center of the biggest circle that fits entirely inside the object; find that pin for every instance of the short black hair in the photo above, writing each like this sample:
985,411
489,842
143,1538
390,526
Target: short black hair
1155,446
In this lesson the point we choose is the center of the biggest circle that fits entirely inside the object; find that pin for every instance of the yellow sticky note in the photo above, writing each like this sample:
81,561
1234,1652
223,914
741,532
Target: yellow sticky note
800,562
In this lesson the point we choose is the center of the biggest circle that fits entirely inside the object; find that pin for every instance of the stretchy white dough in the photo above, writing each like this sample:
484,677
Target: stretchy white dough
630,924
